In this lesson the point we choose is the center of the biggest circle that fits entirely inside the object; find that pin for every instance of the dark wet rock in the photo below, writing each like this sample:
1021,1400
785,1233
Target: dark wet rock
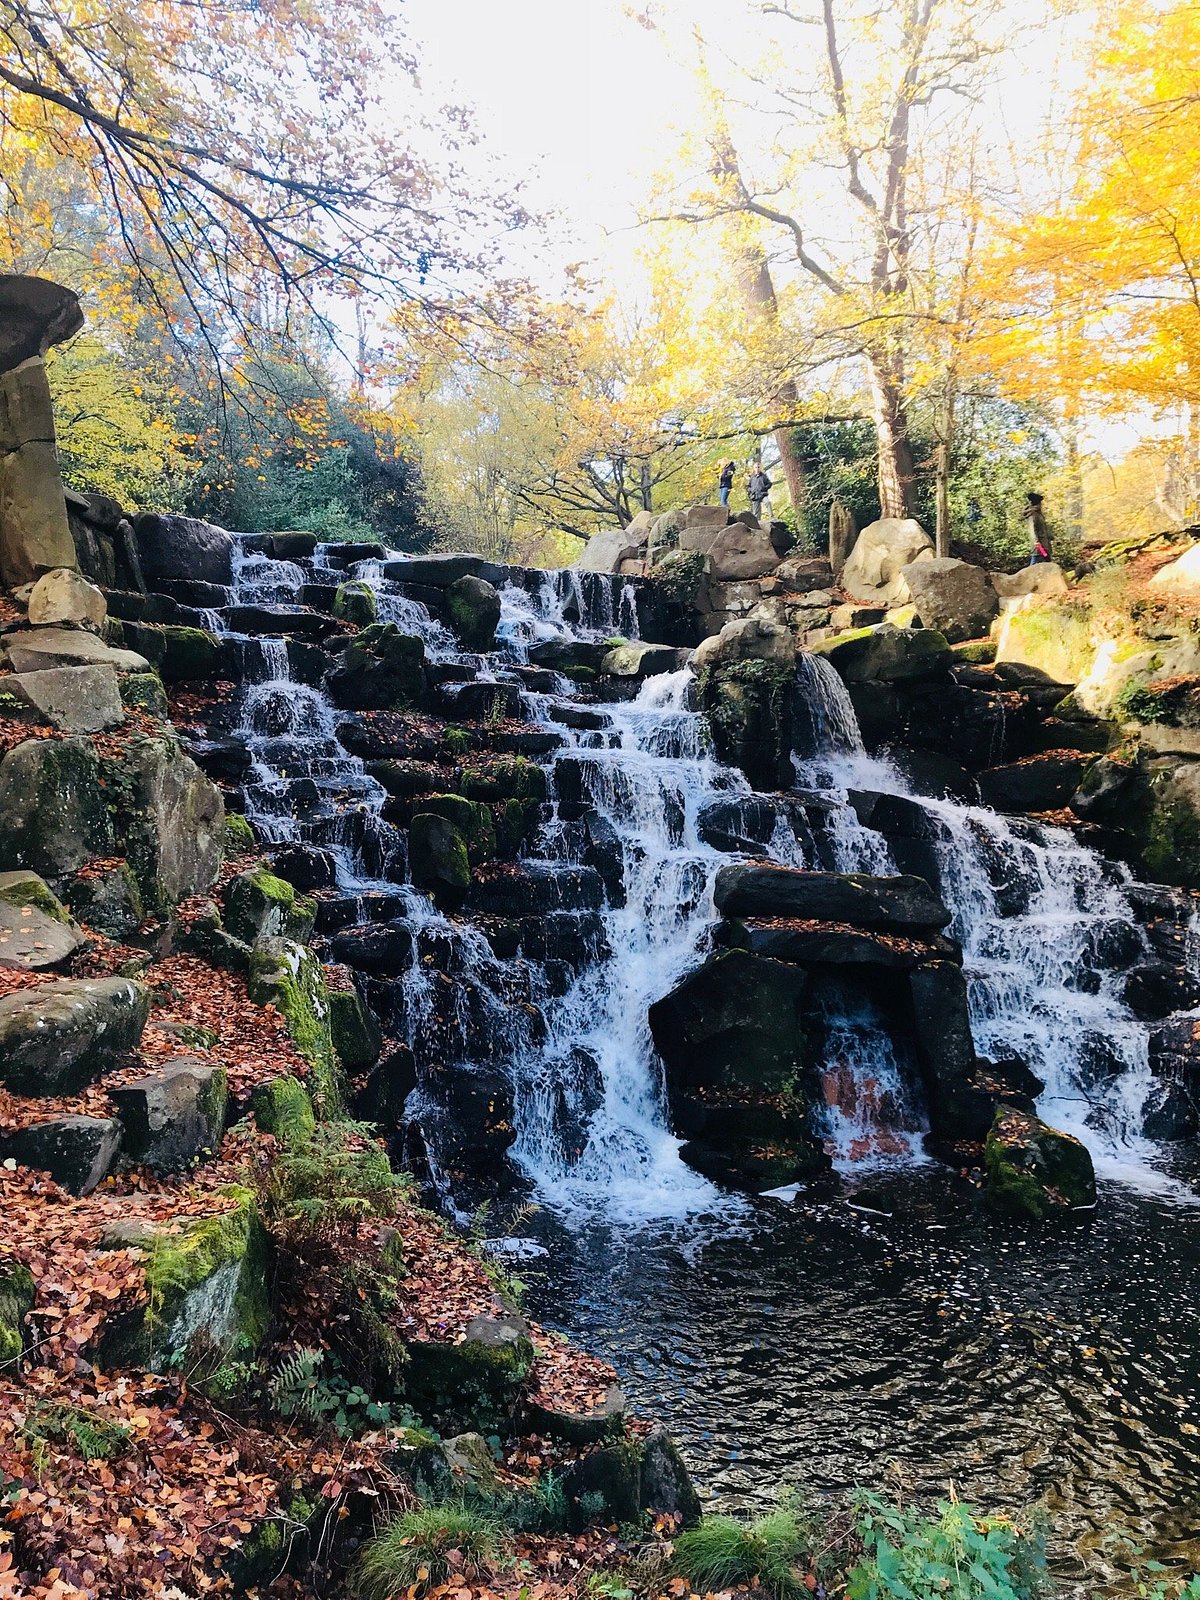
1154,989
735,1020
305,866
569,655
279,620
575,1427
183,547
749,704
666,1487
472,819
604,1486
195,593
899,904
58,1037
808,943
292,546
1038,783
945,1050
440,571
536,887
387,1087
438,858
473,606
473,1381
742,825
55,816
173,1118
356,1034
1034,1170
77,1152
381,669
383,950
482,702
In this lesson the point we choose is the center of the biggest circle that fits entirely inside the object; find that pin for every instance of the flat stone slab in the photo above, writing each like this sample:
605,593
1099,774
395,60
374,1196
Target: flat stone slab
77,1152
48,647
31,940
75,699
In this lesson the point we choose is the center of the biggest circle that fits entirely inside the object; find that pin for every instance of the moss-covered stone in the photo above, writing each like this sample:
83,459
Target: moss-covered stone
282,1107
604,1486
474,607
1056,639
1034,1170
143,691
189,654
108,901
23,888
515,822
471,1384
169,817
259,905
356,1035
355,603
289,977
239,835
508,778
54,811
17,1295
978,652
749,709
438,859
681,575
886,654
207,1286
472,819
381,669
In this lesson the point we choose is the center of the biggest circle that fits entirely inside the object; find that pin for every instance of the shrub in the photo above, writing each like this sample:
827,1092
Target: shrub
723,1552
953,1555
414,1550
322,1188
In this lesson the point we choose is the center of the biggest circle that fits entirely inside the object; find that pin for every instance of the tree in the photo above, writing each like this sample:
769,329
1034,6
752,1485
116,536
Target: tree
240,154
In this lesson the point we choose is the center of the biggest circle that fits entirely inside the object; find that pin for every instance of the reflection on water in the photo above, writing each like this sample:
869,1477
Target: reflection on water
825,1345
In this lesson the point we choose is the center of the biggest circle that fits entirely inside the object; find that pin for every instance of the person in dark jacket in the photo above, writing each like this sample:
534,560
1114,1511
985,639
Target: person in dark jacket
1039,533
726,481
758,488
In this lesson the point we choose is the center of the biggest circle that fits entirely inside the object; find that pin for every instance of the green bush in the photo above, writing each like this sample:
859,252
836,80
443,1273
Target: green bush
953,1555
323,1187
413,1550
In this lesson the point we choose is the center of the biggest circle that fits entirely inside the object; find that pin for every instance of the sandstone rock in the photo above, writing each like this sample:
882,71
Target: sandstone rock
33,941
634,659
469,1380
576,1427
64,598
35,535
74,699
604,552
56,1038
170,819
802,574
1181,576
39,648
24,888
35,314
1056,639
55,816
1045,580
746,640
714,517
1034,1170
901,904
183,547
951,596
874,570
734,552
842,534
474,607
173,1118
887,654
77,1152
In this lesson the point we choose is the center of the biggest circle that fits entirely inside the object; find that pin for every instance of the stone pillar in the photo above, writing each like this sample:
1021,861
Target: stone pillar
35,536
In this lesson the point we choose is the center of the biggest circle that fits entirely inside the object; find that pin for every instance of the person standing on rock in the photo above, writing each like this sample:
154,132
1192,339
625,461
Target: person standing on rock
758,487
726,481
1039,533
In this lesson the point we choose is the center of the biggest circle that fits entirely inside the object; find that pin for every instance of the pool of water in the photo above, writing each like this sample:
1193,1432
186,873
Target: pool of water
812,1342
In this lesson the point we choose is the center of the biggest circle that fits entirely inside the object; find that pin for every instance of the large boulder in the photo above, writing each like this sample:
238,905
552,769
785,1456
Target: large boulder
958,1108
184,547
380,670
1181,576
173,1118
1038,783
886,654
260,905
438,858
1046,580
734,1021
64,598
746,639
35,314
54,810
900,904
734,552
633,658
1152,807
474,608
289,977
750,707
72,699
77,1152
35,649
170,818
604,552
440,571
952,596
1054,639
1034,1170
56,1038
874,571
32,940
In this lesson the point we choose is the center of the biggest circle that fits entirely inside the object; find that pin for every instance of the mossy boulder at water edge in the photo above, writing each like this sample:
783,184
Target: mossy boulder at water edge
281,1107
1151,807
143,691
380,670
356,1035
289,977
473,1382
749,708
260,905
355,602
54,811
438,858
474,607
169,818
886,654
472,819
1034,1170
207,1284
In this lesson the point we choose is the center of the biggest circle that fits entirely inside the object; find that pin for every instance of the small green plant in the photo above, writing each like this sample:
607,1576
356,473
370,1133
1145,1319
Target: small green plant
422,1548
723,1552
76,1432
458,740
954,1554
323,1188
609,1586
310,1384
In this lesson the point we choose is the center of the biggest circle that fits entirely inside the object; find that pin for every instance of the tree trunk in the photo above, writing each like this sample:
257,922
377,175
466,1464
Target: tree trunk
789,456
941,535
842,534
759,289
896,498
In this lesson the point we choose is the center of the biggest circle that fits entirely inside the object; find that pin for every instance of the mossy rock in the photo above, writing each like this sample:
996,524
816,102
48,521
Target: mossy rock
17,1295
515,823
1056,639
24,888
438,858
508,778
282,1107
289,977
978,652
239,835
355,603
886,654
472,819
748,705
474,608
144,691
356,1035
1034,1170
258,905
604,1486
381,669
108,901
189,654
471,1385
55,816
681,575
207,1284
169,818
